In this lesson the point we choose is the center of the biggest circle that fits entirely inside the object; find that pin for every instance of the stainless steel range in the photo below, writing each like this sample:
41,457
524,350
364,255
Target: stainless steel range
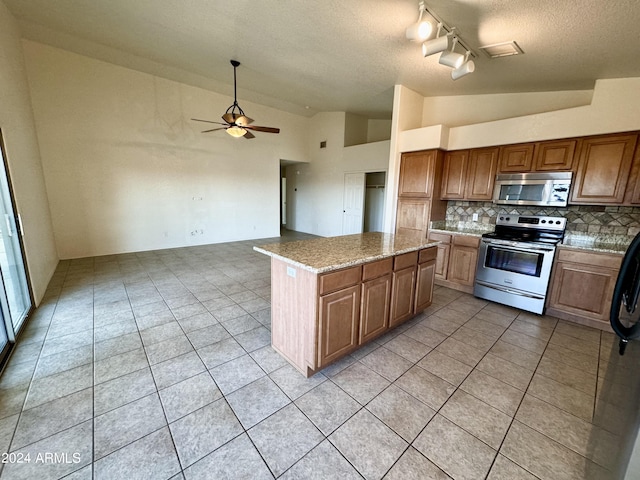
514,262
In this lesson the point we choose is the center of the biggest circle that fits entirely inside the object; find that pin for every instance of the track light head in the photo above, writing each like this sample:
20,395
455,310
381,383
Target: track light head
437,45
450,58
423,28
465,69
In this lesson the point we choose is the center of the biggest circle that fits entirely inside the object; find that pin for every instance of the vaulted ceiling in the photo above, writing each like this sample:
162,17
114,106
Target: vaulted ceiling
336,55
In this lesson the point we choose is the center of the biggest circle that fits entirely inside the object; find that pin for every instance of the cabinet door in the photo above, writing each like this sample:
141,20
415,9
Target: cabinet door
462,265
338,329
412,217
442,261
555,156
374,310
454,175
603,169
481,174
583,290
516,158
424,285
402,295
417,171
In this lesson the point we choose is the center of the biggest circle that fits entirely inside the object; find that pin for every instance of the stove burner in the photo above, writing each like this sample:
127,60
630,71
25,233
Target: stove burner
533,229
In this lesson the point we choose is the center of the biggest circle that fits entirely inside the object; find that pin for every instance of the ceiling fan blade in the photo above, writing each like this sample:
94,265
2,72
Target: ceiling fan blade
262,129
243,120
249,135
214,129
207,121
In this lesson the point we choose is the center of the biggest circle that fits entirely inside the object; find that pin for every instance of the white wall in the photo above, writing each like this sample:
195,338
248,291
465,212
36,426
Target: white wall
315,190
126,170
454,111
23,158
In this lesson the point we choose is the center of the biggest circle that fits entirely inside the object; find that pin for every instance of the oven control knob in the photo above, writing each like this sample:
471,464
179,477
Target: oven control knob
558,222
508,219
501,218
543,221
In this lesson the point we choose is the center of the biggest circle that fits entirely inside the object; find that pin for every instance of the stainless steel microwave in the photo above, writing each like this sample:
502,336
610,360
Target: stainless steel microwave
540,188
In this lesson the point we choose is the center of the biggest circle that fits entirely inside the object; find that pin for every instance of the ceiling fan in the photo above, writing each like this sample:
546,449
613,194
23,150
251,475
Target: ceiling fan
237,124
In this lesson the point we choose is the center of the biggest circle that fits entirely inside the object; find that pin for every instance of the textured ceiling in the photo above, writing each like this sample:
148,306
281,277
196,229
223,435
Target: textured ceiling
336,55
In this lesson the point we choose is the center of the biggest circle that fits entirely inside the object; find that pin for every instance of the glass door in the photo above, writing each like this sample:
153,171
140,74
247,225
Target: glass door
17,301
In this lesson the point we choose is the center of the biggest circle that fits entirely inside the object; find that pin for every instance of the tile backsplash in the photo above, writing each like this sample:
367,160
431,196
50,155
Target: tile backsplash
581,219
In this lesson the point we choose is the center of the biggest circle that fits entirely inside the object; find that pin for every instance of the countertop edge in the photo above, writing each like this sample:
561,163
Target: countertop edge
590,248
456,232
353,263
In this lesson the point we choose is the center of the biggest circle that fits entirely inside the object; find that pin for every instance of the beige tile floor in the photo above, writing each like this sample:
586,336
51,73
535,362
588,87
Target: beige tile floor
158,365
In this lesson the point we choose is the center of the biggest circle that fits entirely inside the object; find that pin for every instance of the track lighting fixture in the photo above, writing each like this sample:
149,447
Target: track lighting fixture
423,28
451,58
467,67
437,45
445,42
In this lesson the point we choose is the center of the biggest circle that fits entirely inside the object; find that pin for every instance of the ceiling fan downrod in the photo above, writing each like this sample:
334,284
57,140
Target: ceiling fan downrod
235,107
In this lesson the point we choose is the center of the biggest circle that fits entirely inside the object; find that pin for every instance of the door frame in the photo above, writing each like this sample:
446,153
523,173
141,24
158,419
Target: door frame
13,334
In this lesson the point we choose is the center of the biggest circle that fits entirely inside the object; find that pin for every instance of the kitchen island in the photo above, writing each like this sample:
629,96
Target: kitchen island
330,296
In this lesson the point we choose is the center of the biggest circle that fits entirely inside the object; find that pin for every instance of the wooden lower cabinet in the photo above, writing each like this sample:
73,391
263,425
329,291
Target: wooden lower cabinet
582,286
374,310
402,295
462,264
424,285
456,261
319,318
338,328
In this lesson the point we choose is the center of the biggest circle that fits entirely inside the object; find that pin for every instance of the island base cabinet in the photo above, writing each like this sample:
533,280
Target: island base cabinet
374,310
424,285
402,296
319,318
338,328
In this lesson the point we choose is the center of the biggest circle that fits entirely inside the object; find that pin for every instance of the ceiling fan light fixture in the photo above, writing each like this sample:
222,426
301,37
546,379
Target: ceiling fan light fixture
236,131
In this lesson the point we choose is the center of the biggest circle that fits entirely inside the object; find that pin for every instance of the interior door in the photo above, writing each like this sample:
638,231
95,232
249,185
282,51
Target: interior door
14,277
353,211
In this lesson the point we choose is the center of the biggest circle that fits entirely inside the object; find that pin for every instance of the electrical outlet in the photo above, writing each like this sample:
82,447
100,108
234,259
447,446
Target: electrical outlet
475,217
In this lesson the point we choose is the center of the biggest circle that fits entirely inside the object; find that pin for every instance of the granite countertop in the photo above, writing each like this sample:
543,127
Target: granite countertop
320,255
475,229
597,243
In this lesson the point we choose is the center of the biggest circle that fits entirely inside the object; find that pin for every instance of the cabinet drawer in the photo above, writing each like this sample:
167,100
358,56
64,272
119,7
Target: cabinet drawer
405,260
466,241
377,269
427,254
440,237
330,282
609,260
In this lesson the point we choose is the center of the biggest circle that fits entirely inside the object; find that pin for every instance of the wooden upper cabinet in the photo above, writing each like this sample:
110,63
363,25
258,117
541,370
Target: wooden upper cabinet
552,156
417,171
516,158
481,173
555,156
454,175
604,163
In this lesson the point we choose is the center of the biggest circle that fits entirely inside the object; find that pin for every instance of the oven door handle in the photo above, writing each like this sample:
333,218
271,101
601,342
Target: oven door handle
510,290
508,246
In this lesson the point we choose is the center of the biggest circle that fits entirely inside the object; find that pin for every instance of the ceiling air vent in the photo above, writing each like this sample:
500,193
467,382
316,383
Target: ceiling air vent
504,49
